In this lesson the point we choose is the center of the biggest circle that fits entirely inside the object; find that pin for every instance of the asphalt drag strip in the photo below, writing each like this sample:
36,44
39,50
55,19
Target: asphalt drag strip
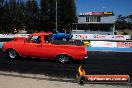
9,81
97,63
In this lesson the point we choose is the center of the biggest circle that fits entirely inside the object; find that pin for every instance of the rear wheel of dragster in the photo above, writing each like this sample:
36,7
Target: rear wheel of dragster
12,54
63,58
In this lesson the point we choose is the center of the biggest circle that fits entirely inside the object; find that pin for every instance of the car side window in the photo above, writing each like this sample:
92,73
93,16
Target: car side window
35,39
48,38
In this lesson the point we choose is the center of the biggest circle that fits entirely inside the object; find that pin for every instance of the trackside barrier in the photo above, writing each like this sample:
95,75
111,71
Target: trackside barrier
110,44
100,37
79,36
13,35
103,44
109,49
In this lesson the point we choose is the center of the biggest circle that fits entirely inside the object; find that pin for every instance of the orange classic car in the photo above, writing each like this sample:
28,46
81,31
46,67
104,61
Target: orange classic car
41,45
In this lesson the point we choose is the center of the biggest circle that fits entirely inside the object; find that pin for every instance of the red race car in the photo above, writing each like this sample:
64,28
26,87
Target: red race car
40,45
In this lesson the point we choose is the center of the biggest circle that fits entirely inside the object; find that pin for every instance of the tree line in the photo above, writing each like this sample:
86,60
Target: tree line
123,22
19,14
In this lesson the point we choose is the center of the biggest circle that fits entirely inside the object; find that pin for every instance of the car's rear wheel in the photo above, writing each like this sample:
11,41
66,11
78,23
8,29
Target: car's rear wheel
63,58
12,54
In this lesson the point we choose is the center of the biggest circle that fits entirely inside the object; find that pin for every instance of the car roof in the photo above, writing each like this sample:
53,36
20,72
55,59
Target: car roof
42,33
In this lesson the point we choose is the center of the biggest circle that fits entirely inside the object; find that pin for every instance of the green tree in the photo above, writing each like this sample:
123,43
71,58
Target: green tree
31,14
1,3
44,9
67,13
18,13
129,21
124,22
121,23
21,12
52,14
129,18
5,19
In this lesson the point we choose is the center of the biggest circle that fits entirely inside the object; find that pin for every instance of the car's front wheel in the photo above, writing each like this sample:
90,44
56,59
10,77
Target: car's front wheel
63,58
12,54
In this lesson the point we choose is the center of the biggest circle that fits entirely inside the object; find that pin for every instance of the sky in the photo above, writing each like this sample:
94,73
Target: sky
118,7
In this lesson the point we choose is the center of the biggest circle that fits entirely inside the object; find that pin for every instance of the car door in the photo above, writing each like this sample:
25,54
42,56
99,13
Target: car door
48,50
32,47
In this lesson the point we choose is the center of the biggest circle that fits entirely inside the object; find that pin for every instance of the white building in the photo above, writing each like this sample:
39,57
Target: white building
95,23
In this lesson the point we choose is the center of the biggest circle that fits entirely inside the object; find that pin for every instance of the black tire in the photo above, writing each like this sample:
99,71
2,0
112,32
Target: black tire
63,58
12,54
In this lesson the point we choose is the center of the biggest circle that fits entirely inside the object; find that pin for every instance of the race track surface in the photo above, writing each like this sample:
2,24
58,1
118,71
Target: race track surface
97,63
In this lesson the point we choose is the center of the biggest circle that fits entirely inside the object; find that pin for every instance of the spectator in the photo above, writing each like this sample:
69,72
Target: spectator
15,31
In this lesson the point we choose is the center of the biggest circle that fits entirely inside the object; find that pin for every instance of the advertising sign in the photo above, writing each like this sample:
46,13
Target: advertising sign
121,37
100,37
97,13
82,77
103,44
79,36
13,35
124,44
108,13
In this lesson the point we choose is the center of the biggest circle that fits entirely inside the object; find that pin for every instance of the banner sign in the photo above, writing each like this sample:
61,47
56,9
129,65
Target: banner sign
13,35
96,13
82,77
103,44
124,44
79,36
100,37
121,37
108,13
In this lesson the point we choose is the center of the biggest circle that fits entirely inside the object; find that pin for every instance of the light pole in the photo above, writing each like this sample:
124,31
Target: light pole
56,15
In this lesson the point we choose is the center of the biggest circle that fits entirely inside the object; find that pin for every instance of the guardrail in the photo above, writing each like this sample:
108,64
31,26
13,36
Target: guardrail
96,42
79,36
13,35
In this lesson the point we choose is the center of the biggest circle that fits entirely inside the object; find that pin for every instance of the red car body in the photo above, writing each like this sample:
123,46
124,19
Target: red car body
25,48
